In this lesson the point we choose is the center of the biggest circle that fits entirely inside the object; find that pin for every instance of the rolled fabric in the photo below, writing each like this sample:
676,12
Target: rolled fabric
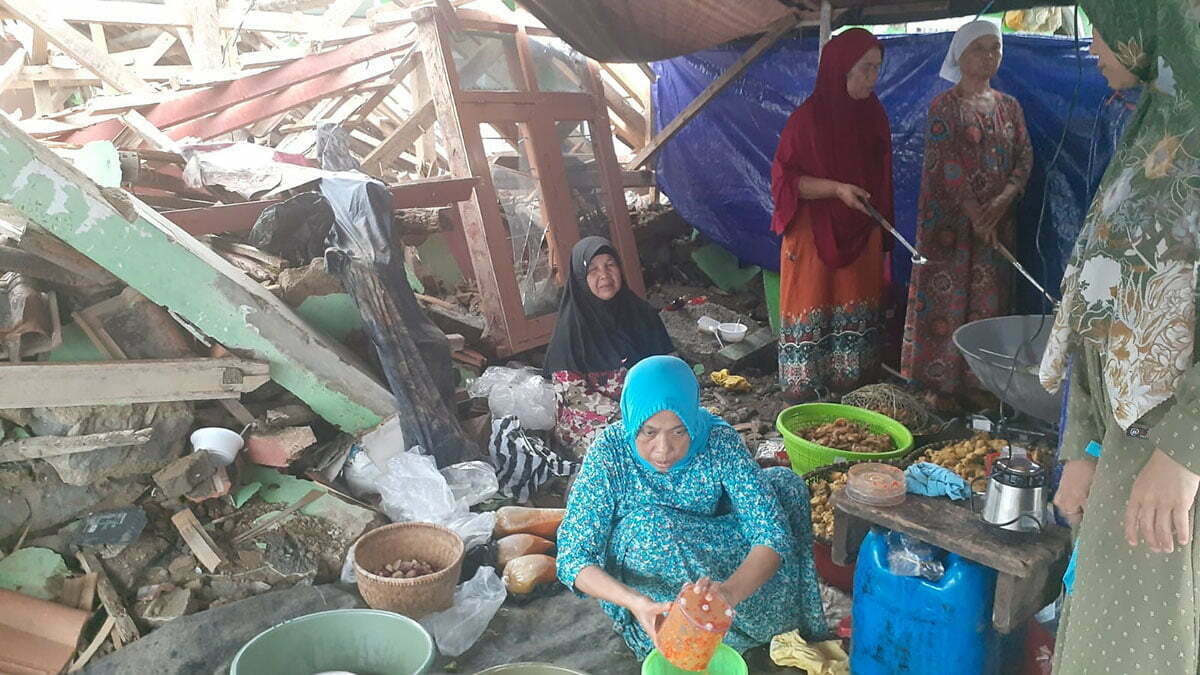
931,480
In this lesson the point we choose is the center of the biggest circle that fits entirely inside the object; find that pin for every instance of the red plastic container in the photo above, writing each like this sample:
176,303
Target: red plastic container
693,629
840,577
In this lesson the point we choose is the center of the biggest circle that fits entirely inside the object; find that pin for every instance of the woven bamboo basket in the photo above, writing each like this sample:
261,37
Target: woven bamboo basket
433,544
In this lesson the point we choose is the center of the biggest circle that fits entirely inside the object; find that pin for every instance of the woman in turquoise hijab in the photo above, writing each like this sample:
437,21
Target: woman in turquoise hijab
670,495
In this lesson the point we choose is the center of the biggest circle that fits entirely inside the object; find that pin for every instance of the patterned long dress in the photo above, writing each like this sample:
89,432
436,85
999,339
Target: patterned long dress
657,531
973,152
831,320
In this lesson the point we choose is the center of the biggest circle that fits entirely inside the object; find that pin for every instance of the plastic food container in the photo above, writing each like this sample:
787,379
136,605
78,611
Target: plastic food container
694,628
221,443
732,332
875,484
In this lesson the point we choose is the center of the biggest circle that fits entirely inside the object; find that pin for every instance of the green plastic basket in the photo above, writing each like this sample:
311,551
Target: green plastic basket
806,455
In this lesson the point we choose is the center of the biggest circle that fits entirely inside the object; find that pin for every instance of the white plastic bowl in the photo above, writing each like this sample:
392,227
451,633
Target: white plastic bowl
732,332
221,443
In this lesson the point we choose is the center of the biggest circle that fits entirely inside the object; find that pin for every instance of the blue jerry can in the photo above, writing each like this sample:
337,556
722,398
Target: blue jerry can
912,626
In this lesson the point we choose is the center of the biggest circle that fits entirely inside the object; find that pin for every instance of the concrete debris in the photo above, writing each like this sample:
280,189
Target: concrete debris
185,473
278,448
171,423
33,571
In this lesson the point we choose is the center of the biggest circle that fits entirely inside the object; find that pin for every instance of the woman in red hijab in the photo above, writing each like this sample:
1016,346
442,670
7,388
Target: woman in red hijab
835,155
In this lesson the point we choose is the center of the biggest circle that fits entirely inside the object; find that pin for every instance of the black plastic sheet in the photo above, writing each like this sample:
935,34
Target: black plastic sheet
414,353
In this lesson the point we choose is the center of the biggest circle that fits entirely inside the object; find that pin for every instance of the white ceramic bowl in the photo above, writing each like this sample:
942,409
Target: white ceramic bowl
732,332
221,443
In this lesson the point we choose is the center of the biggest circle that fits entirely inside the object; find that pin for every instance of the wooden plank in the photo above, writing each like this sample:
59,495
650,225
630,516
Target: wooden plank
243,114
43,95
202,545
58,32
38,447
957,529
443,82
123,382
401,139
826,24
205,50
777,31
247,88
15,226
124,629
148,132
332,19
172,269
94,646
425,193
157,49
142,14
12,68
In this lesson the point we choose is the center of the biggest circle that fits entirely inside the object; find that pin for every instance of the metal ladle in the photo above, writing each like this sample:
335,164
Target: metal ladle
917,258
1020,268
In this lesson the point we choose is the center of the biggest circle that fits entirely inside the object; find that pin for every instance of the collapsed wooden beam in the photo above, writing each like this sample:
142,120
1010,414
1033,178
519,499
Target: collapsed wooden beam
418,194
50,385
59,33
156,258
220,98
778,30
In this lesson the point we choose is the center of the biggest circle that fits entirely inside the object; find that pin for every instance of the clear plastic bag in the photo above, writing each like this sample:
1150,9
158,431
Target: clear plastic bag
531,399
472,482
494,377
414,489
518,391
909,557
475,603
475,528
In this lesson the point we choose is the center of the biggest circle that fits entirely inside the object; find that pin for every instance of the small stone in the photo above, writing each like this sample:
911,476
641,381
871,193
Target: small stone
194,584
156,575
224,587
167,607
183,569
256,587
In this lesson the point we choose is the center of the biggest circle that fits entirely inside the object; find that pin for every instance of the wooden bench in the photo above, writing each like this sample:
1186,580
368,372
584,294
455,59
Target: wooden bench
1030,565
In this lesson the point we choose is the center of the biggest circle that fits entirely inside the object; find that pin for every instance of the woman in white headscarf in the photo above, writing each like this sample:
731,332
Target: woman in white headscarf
977,161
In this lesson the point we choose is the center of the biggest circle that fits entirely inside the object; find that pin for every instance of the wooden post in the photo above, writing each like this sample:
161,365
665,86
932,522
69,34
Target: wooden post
778,30
826,23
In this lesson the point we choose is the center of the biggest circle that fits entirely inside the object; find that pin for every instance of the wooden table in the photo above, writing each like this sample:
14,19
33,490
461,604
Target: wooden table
1029,565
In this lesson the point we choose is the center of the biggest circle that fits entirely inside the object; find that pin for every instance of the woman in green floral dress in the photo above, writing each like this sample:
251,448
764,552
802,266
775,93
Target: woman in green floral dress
670,496
1125,337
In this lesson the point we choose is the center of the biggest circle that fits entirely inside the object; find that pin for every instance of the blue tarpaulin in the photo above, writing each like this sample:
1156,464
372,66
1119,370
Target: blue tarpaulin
717,169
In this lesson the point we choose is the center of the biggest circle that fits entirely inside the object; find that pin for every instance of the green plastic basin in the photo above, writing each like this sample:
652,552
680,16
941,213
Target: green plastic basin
529,669
355,640
725,661
806,455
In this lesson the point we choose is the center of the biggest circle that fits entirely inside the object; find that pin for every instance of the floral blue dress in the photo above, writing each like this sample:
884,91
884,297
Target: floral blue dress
654,532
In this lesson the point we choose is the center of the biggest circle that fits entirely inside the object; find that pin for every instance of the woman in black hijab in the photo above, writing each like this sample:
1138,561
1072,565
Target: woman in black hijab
603,329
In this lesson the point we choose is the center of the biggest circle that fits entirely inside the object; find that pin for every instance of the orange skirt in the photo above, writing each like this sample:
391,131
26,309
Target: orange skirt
831,320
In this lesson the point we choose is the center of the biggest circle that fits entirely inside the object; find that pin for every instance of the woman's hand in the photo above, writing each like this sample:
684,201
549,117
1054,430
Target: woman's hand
853,196
710,587
1160,504
647,612
1073,489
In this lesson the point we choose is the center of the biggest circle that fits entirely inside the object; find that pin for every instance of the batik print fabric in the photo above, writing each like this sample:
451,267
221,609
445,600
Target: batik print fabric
1130,287
967,152
655,531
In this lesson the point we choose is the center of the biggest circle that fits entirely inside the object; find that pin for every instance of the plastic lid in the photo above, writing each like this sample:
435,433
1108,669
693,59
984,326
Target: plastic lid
875,484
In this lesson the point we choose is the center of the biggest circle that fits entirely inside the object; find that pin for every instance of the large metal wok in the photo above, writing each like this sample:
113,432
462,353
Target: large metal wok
1004,353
